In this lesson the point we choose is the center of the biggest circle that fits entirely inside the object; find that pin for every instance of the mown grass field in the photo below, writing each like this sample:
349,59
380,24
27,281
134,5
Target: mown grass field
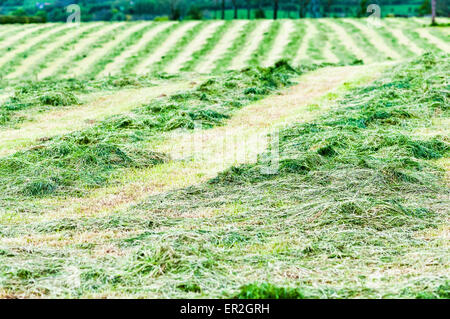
95,50
103,194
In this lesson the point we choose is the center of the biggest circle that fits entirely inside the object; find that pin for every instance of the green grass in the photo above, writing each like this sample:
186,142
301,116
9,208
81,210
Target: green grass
224,62
153,44
357,209
393,43
17,60
117,50
439,34
290,52
207,48
353,192
34,70
54,92
421,42
316,44
76,162
178,47
362,41
266,43
12,32
338,48
108,36
268,291
9,66
315,47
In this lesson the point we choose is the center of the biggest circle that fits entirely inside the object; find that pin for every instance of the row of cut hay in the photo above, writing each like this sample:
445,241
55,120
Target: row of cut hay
77,46
163,48
203,46
115,66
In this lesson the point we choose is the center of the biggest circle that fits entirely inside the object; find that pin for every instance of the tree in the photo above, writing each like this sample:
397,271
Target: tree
260,14
275,9
425,8
175,11
303,8
42,14
20,12
433,12
216,8
362,8
235,5
442,8
223,9
194,13
315,8
249,9
327,7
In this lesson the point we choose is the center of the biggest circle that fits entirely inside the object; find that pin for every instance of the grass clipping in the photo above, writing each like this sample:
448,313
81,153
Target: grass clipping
76,162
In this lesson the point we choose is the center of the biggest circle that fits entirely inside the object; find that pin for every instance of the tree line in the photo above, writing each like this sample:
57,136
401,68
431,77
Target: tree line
121,10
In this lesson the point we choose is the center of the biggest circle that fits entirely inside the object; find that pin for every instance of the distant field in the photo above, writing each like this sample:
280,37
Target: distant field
94,50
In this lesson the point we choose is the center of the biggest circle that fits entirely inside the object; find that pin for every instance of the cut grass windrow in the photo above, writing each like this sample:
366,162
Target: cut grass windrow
20,47
33,97
265,46
316,45
408,27
297,36
219,52
76,162
279,44
28,48
195,47
37,61
395,41
302,54
11,41
172,37
170,62
252,42
225,62
362,40
10,32
77,65
123,61
115,48
376,40
104,49
208,48
129,47
432,36
222,146
40,123
335,51
346,40
75,50
353,186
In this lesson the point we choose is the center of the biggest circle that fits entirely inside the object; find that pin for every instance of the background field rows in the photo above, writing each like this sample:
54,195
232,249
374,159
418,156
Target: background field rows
99,49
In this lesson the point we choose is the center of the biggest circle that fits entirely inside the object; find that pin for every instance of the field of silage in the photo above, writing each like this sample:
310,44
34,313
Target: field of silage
104,191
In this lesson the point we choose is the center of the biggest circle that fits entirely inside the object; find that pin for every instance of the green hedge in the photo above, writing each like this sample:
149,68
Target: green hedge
19,19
